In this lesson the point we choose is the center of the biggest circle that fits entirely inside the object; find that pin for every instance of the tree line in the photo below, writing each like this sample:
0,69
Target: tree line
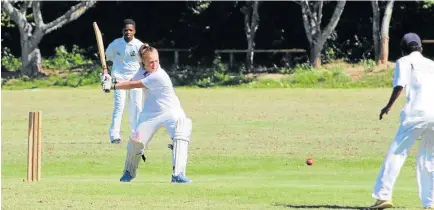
355,30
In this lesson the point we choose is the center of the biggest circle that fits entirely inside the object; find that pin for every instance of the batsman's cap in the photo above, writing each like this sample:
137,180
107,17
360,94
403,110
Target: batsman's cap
129,21
411,40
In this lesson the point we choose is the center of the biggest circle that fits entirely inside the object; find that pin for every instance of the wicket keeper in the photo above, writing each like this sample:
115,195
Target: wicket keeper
123,53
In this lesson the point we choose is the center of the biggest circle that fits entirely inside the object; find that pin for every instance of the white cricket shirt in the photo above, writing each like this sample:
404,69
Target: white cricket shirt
416,74
125,57
158,92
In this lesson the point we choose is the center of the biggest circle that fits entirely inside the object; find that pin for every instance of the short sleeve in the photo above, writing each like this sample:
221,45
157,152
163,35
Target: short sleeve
402,74
150,80
146,81
139,75
138,44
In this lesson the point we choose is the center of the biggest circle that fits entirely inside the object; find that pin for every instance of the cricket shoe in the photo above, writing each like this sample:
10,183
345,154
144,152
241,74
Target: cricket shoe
126,177
116,141
380,204
180,179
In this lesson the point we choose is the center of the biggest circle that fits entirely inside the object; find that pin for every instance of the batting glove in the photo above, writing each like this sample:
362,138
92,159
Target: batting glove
103,77
107,82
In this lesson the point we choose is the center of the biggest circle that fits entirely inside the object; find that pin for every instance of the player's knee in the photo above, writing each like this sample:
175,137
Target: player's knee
183,129
135,146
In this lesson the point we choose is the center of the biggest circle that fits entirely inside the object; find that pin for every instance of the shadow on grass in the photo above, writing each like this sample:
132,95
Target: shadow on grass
319,206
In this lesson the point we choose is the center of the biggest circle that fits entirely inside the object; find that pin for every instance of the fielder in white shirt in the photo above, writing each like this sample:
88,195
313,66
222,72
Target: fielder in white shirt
124,54
415,73
161,108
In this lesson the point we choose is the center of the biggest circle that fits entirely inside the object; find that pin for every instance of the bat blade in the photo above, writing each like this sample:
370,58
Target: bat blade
100,43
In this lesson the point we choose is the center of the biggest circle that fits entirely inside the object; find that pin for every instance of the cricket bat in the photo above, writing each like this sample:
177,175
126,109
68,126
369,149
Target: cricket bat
100,45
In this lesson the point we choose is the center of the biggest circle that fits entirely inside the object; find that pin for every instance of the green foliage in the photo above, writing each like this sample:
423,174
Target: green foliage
351,50
217,75
428,3
197,7
298,68
329,54
332,78
9,61
6,21
302,78
368,64
85,78
87,74
66,60
335,77
383,79
62,59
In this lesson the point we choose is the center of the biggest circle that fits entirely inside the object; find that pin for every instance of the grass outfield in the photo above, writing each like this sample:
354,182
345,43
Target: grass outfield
247,152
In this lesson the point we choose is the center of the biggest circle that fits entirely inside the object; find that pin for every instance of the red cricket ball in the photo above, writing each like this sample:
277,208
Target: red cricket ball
309,161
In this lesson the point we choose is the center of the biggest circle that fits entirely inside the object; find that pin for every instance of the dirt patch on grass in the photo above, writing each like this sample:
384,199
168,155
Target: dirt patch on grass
274,76
354,70
357,71
63,72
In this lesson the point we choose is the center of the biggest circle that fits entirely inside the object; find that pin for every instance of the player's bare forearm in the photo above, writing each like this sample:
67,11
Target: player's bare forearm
126,85
395,94
109,65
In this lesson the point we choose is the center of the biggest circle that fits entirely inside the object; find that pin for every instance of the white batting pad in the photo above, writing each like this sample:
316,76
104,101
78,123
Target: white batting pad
181,140
183,129
170,146
134,152
180,153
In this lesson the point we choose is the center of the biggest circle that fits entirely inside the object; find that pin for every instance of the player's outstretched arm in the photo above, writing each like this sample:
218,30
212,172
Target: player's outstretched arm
395,94
126,85
109,83
401,79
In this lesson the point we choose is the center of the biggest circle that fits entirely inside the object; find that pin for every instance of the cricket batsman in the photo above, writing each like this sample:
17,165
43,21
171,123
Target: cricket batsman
161,108
123,53
415,73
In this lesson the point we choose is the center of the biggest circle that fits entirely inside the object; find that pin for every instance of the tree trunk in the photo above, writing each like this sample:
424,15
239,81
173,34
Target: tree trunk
250,54
317,37
31,58
31,37
316,48
376,29
384,55
31,62
315,57
251,19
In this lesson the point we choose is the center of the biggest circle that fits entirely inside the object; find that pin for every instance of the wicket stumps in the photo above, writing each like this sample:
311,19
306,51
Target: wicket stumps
34,147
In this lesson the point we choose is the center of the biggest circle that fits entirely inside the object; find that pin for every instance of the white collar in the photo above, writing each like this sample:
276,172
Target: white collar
123,40
415,53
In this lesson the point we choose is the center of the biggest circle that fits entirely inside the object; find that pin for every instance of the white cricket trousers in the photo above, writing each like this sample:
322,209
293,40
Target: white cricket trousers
150,123
396,155
134,97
